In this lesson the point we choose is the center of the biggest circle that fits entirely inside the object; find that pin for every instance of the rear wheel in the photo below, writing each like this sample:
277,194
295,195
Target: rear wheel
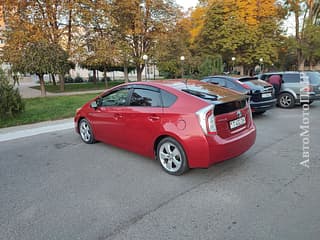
86,131
286,100
172,157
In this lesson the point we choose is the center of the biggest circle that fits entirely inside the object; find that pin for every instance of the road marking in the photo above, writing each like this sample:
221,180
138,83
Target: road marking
32,131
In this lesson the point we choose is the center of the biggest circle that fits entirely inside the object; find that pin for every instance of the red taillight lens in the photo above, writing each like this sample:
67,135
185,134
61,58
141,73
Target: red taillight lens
308,89
244,85
210,121
207,119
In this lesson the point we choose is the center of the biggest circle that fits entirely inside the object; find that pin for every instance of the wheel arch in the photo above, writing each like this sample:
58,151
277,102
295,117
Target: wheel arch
165,135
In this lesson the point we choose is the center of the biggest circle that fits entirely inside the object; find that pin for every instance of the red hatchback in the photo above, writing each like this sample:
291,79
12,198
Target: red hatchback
183,124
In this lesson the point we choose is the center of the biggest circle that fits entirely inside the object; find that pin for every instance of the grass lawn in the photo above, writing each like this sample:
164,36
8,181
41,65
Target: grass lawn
75,87
48,108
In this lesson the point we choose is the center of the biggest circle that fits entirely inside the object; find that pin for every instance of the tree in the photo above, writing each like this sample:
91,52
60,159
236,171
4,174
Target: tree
140,24
247,30
11,103
34,21
42,58
306,15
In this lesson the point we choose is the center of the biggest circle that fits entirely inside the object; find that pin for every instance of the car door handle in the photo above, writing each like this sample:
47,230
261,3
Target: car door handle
154,118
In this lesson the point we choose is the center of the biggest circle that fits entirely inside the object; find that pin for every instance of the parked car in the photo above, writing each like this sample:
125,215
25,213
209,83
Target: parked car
296,86
261,93
182,124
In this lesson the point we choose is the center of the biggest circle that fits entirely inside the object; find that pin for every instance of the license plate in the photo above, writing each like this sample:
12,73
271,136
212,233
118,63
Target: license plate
238,122
266,95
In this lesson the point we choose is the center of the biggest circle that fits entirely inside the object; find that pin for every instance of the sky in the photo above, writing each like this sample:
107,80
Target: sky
187,3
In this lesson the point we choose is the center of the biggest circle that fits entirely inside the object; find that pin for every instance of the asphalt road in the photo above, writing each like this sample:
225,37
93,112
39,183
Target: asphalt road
53,186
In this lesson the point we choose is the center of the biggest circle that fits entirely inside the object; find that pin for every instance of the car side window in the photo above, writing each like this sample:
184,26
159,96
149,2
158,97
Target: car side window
231,85
145,97
167,98
219,81
116,98
291,78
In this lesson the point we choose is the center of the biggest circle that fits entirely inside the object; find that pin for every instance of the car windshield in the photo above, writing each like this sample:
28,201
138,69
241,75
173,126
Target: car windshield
314,77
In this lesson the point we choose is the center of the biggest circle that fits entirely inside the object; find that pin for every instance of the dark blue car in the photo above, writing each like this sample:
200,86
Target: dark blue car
261,93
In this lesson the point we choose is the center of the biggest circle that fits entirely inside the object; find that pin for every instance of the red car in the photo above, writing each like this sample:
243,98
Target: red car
183,124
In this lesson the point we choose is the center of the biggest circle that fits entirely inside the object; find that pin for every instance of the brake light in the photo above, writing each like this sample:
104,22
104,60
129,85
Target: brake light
308,89
207,119
244,85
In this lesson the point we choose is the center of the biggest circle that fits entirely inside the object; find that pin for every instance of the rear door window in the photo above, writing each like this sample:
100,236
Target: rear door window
291,78
145,98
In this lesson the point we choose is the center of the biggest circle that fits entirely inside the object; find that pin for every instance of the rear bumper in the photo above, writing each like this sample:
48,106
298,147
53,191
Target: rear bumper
223,149
215,149
263,105
308,97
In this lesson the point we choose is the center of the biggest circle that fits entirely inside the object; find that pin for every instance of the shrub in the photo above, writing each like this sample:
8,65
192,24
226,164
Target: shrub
68,79
11,102
78,79
104,79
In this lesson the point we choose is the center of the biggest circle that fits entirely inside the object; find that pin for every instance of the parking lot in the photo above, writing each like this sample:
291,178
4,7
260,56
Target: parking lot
53,186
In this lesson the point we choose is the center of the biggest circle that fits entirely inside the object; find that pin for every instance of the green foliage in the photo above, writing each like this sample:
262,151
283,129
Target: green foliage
42,58
11,103
55,108
211,65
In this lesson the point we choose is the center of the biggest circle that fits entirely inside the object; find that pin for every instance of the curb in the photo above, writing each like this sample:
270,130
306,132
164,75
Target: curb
11,133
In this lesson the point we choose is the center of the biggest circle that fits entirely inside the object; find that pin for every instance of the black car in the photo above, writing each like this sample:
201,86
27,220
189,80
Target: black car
261,93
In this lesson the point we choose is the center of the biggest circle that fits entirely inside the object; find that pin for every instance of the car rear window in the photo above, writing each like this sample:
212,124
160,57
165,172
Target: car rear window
229,106
314,77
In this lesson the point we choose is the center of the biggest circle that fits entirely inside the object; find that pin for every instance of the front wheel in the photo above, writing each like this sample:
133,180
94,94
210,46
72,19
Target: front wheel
172,157
86,131
286,100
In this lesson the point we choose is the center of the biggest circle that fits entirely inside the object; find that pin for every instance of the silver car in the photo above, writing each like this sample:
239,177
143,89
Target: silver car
296,87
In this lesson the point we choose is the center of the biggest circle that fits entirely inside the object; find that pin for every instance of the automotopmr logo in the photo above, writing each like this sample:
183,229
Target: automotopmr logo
305,123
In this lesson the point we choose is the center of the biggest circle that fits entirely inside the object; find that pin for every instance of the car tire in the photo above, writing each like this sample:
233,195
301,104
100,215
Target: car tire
286,100
86,132
172,156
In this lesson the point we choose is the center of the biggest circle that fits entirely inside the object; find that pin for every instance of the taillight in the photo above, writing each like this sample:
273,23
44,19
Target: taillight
207,119
308,89
244,85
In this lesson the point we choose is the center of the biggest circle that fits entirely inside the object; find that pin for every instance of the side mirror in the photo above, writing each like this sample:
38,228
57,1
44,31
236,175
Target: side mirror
94,104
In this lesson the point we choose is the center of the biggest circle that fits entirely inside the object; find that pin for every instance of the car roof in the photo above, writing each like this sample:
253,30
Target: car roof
189,86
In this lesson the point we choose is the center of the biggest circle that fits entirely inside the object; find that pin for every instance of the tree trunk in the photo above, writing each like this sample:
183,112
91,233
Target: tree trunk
105,78
139,72
61,82
42,86
125,72
53,80
95,76
300,59
69,27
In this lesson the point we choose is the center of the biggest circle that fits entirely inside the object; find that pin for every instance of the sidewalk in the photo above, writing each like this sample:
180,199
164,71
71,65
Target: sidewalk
28,130
27,92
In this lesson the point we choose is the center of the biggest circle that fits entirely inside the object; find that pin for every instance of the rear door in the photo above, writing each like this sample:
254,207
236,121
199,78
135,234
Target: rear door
143,119
291,81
